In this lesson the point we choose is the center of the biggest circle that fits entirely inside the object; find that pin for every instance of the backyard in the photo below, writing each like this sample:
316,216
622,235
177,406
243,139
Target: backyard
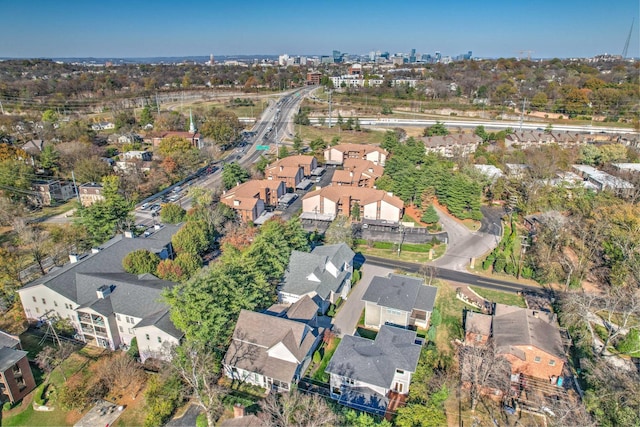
326,350
507,298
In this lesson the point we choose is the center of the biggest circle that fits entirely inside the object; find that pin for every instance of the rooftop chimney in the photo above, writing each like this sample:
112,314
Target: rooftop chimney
104,290
236,203
238,411
128,234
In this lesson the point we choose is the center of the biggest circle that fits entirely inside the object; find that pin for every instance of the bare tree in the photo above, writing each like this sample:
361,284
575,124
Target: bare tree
296,409
35,240
120,372
616,310
483,369
50,357
200,371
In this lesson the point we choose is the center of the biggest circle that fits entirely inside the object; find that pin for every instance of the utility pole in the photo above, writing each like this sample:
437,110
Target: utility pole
157,103
75,187
523,249
524,101
329,109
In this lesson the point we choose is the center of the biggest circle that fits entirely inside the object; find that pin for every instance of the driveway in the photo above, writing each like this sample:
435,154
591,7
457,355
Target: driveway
188,419
463,244
345,322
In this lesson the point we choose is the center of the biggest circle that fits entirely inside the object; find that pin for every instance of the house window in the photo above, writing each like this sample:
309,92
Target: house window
147,336
130,331
55,303
37,310
399,371
118,317
537,359
552,362
399,387
44,301
34,299
159,339
394,312
121,328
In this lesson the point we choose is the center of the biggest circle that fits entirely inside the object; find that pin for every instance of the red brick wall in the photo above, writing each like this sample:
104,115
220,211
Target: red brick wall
529,366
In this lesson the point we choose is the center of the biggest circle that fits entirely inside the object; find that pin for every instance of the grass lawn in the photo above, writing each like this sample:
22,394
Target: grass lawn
451,309
327,351
392,252
507,298
26,416
310,133
50,211
471,224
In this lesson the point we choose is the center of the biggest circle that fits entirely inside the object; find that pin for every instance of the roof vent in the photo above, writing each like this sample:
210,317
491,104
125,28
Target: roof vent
128,234
73,258
95,250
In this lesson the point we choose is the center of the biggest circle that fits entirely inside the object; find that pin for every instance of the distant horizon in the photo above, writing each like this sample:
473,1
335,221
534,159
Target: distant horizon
492,29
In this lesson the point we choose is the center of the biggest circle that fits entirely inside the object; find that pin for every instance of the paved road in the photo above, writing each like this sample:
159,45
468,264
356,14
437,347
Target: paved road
186,420
452,275
347,318
463,244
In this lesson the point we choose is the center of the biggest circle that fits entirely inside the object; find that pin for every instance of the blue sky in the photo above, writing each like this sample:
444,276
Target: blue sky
134,28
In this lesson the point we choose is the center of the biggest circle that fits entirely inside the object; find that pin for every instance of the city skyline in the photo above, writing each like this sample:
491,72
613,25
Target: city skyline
40,29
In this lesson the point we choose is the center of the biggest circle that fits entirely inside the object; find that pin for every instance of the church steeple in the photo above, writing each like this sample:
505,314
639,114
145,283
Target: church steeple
192,125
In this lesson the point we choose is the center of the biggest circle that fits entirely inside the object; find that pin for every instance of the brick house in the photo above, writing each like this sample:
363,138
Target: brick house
358,173
90,193
16,378
250,198
337,154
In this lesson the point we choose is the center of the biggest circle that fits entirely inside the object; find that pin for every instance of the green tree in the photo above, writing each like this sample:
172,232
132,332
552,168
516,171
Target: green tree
223,127
437,129
191,238
283,152
539,101
146,118
15,178
49,158
162,396
172,213
297,144
189,263
104,218
168,269
140,261
430,216
49,116
232,174
355,211
339,231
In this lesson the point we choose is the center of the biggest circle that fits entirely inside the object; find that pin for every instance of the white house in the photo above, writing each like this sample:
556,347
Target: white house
107,306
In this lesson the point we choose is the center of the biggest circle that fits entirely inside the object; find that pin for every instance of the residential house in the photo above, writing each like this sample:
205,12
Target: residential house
103,126
52,191
516,170
307,163
290,175
313,78
304,310
129,138
337,154
268,351
538,138
372,204
454,145
528,339
107,306
602,180
398,300
16,378
33,147
358,173
145,156
490,171
365,373
250,198
90,193
241,418
324,274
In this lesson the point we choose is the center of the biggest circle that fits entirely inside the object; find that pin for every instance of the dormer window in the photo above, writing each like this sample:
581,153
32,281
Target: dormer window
399,372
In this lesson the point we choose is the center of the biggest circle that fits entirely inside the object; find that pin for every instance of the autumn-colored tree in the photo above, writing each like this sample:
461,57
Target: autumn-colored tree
240,237
168,269
173,145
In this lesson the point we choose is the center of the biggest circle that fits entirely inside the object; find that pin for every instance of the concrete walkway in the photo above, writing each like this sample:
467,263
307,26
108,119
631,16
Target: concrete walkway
346,321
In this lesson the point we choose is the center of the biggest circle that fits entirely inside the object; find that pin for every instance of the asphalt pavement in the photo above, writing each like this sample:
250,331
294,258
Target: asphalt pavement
346,319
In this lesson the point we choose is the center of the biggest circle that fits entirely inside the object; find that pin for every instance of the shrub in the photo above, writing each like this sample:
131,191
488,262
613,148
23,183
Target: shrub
201,420
356,276
436,317
316,357
383,245
499,265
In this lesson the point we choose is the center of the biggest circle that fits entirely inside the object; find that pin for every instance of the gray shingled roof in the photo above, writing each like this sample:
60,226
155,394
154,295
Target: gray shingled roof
303,310
130,296
256,333
7,340
107,260
375,362
302,265
9,357
401,292
515,326
162,321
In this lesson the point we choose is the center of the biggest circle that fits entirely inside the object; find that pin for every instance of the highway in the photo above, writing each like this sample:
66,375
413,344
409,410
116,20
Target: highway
452,275
489,125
